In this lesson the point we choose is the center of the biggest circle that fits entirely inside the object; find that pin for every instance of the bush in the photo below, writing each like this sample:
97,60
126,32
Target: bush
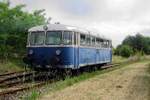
124,51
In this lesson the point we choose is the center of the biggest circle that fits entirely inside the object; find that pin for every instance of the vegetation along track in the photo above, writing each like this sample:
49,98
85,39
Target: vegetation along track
11,84
14,78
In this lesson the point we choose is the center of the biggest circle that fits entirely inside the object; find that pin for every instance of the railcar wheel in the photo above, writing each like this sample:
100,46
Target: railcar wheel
68,73
94,68
86,69
58,74
76,72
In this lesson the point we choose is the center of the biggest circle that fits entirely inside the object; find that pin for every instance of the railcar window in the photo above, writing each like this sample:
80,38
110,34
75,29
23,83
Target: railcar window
67,37
98,42
37,38
109,44
93,41
53,37
88,40
101,43
82,39
105,44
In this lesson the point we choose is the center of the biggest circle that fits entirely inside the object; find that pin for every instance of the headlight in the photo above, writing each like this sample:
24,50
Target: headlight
58,52
30,52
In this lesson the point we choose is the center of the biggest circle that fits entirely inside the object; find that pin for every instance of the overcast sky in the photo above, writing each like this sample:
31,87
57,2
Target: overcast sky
114,19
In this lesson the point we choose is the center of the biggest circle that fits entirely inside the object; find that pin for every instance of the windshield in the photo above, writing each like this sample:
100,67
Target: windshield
37,38
67,37
53,37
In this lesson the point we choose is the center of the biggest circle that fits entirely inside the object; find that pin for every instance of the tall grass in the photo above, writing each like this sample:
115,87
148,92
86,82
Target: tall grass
11,65
34,95
71,81
148,79
118,59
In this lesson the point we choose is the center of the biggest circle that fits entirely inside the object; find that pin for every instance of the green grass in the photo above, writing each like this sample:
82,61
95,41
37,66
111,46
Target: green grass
148,79
148,67
34,95
118,59
71,81
11,66
17,65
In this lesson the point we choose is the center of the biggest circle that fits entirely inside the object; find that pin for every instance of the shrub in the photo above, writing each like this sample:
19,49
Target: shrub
124,51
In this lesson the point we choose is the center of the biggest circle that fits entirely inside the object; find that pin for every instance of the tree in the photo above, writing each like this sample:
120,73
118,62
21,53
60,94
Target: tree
146,47
14,25
139,43
117,50
14,20
124,50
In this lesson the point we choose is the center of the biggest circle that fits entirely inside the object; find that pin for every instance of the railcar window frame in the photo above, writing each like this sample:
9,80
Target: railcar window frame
82,41
109,44
98,42
102,43
105,44
88,40
93,42
75,38
54,42
70,34
33,39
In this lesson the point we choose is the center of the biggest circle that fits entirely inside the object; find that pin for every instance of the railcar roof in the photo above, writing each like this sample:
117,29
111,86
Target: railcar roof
53,27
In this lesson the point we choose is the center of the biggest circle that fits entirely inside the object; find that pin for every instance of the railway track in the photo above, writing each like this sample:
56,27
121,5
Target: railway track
15,78
16,75
20,88
11,87
110,65
6,74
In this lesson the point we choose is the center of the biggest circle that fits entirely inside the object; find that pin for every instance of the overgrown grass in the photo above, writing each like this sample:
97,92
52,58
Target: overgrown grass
118,59
11,65
71,81
148,67
34,95
146,80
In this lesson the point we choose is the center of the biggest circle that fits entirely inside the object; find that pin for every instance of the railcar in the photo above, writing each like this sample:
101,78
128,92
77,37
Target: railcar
67,47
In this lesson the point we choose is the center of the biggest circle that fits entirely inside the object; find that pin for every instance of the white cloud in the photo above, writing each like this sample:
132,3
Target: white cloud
114,18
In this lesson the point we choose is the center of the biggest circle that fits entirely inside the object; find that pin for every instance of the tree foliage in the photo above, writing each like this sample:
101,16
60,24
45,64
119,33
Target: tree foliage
124,50
14,24
137,43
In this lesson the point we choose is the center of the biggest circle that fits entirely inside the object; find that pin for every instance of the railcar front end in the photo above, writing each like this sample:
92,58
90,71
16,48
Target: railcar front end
51,49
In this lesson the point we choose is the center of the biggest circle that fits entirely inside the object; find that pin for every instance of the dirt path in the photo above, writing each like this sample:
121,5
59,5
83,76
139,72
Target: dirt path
129,83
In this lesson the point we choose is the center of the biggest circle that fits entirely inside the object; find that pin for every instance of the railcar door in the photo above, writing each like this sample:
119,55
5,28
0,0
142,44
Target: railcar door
97,50
76,50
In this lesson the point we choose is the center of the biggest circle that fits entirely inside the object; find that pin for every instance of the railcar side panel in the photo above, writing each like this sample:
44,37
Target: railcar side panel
92,56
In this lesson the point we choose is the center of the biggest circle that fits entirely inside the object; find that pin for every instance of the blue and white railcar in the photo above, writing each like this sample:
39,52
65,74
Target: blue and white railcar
62,46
